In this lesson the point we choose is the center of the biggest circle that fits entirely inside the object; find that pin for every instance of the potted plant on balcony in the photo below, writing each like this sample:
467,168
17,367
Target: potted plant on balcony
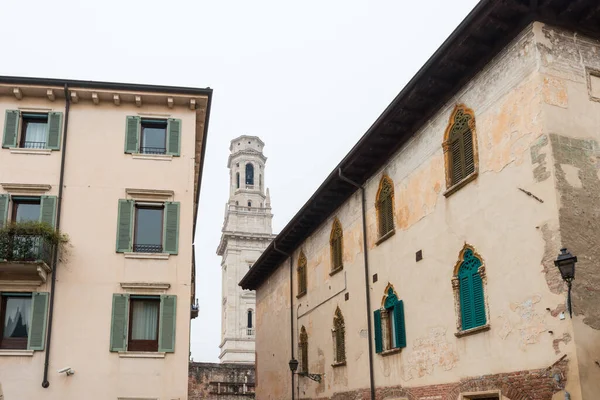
31,241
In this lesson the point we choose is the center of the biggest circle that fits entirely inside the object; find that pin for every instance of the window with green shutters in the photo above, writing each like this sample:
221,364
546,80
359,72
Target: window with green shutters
23,318
385,206
470,291
31,130
27,208
336,246
390,328
152,136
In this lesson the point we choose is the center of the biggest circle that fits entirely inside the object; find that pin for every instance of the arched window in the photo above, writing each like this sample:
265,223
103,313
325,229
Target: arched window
336,246
260,181
385,206
249,174
250,325
468,285
301,274
339,337
237,179
390,330
249,203
460,146
303,350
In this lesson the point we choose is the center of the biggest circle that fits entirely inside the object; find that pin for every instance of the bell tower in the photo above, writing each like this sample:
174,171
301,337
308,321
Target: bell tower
246,233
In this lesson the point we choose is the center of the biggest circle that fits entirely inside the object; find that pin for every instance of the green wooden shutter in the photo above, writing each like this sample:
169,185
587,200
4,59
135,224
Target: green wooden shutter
54,130
378,334
37,330
132,134
4,198
466,306
48,210
174,136
166,333
171,229
119,322
11,128
400,326
125,226
479,318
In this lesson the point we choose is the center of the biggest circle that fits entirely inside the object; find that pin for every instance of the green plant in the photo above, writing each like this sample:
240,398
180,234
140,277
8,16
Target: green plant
26,240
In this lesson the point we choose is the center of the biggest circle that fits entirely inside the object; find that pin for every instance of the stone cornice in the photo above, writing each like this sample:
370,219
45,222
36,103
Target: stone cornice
243,236
246,152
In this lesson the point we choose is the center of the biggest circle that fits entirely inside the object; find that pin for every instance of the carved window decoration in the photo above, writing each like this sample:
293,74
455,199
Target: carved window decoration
302,274
390,330
303,350
460,146
339,338
336,246
385,206
468,284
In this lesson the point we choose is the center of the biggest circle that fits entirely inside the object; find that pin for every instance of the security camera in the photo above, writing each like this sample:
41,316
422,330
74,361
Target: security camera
68,370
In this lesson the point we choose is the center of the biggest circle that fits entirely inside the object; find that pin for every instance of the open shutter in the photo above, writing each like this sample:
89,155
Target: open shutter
174,136
119,322
166,334
479,318
37,330
48,210
132,134
54,130
171,230
4,198
466,308
400,327
11,127
124,226
378,335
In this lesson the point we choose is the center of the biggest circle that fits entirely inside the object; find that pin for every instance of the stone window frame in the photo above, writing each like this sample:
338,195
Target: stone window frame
382,236
480,395
386,330
338,334
336,250
456,292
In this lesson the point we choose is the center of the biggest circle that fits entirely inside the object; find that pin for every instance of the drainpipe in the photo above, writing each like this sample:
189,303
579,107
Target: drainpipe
367,289
291,309
45,382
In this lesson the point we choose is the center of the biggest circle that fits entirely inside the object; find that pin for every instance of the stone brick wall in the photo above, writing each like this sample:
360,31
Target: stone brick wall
209,381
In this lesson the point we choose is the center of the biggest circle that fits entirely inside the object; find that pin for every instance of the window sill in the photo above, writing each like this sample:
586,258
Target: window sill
339,364
16,353
385,237
148,256
335,271
471,331
461,184
301,294
45,152
141,354
159,157
390,352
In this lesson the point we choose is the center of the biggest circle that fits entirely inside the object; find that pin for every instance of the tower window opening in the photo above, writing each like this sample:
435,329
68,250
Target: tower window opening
249,203
249,174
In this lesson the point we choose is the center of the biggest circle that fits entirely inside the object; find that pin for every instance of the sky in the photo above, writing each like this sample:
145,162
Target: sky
307,77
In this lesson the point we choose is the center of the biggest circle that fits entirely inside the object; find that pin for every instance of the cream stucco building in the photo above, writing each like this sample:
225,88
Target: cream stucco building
117,168
423,267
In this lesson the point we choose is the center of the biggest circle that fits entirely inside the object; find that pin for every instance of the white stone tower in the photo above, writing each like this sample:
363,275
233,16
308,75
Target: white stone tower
246,233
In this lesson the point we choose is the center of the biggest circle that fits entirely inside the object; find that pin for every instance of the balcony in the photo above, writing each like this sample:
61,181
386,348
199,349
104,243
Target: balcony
25,258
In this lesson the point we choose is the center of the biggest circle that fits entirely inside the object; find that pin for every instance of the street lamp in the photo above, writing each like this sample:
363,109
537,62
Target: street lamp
566,265
293,365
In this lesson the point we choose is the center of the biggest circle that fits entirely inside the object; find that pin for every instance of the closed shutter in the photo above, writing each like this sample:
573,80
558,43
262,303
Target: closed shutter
171,229
174,136
4,198
11,127
124,225
167,320
132,134
478,300
468,153
54,130
378,333
119,322
340,342
48,210
466,306
37,330
389,215
400,326
457,162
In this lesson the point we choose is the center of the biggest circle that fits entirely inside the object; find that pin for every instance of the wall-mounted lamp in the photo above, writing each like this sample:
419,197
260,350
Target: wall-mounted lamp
294,366
566,265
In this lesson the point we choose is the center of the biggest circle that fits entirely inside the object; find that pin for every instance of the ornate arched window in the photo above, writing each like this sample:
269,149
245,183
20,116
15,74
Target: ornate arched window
302,274
339,337
385,206
468,286
460,146
249,174
336,246
303,350
390,330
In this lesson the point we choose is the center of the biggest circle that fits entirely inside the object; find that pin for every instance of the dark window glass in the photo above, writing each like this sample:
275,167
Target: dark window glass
143,324
148,229
16,318
249,318
249,174
154,137
26,209
35,131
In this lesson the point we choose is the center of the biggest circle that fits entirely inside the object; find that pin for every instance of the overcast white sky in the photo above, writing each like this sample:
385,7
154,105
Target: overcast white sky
307,77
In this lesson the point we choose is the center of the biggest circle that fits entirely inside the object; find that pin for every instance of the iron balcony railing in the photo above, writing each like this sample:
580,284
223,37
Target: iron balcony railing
23,248
153,150
147,248
34,145
250,331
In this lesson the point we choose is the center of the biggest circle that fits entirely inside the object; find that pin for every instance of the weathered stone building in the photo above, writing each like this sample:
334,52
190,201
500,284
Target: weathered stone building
209,381
423,267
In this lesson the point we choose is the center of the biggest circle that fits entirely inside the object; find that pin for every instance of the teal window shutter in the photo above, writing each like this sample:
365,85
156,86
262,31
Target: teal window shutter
171,228
132,134
37,330
174,136
378,334
54,130
167,321
478,301
11,128
400,326
4,198
48,210
125,226
466,306
119,322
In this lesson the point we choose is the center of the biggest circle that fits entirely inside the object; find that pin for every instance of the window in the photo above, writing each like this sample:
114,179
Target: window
260,181
23,320
237,180
336,246
249,325
249,203
303,350
301,274
143,323
385,206
249,174
468,286
32,130
460,146
152,136
339,337
390,331
26,209
148,227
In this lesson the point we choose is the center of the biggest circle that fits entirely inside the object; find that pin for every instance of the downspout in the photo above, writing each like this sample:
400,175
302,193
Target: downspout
291,309
45,382
367,289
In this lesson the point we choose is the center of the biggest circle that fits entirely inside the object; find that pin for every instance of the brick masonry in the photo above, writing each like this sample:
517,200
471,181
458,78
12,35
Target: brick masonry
221,381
